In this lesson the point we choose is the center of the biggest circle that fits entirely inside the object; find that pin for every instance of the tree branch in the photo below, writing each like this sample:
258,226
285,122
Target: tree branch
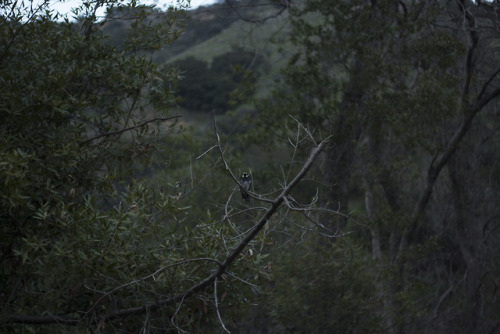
221,268
161,119
441,159
217,307
41,319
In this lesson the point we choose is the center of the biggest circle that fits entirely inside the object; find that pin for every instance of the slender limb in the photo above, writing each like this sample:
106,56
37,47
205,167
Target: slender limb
113,133
157,272
202,284
217,305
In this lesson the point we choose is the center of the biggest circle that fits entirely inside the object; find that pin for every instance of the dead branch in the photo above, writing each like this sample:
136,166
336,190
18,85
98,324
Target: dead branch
118,132
221,266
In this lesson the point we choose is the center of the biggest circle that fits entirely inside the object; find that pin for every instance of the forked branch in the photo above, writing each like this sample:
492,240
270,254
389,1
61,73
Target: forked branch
209,280
139,125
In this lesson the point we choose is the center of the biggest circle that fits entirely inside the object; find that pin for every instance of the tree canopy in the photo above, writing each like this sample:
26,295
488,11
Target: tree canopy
404,89
374,160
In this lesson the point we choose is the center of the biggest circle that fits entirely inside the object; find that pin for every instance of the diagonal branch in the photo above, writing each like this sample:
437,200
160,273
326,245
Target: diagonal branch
107,134
221,267
234,253
441,159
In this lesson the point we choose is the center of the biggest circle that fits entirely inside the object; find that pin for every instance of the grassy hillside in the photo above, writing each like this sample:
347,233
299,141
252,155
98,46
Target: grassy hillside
216,30
251,36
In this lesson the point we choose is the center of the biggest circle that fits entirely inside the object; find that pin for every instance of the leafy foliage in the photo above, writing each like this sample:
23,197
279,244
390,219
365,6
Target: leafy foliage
375,77
325,285
77,119
111,223
209,88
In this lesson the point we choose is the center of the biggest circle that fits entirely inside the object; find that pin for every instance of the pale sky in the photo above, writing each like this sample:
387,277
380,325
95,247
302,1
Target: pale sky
64,7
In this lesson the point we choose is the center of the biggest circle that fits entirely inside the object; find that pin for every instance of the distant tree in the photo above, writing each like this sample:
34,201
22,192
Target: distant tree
208,88
202,23
195,86
404,89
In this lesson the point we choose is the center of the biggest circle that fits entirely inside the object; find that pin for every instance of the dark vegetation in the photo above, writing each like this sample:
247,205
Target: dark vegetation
370,130
207,87
199,25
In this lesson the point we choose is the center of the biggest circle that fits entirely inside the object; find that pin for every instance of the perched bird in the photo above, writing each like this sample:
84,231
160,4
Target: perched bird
245,183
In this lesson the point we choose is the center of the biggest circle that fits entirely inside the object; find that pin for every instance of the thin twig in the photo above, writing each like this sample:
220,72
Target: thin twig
201,155
112,133
222,266
217,306
149,276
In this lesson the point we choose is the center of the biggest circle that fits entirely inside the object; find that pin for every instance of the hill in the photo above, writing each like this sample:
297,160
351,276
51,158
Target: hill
217,49
220,47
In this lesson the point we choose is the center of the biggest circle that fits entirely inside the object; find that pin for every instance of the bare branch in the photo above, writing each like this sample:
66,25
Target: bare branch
221,266
157,272
43,319
107,134
217,306
487,84
201,155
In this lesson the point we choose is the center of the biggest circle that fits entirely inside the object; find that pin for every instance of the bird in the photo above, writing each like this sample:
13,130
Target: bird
245,184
